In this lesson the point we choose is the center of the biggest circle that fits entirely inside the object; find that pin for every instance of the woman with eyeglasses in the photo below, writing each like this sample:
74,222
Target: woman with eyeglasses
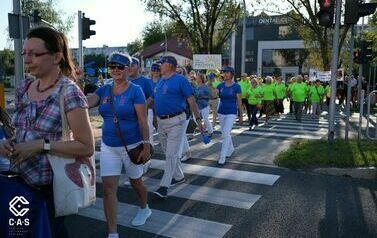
129,105
230,100
37,117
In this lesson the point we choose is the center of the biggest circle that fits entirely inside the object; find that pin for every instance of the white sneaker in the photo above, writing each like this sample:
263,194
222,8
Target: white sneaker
141,216
221,161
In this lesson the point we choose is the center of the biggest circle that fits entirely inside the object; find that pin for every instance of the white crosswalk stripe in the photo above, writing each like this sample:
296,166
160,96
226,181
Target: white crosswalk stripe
286,127
170,224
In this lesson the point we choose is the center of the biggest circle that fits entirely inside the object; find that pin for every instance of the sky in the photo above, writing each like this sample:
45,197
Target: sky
118,22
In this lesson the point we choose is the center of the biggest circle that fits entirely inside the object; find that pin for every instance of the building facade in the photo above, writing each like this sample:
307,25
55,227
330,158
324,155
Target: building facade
273,47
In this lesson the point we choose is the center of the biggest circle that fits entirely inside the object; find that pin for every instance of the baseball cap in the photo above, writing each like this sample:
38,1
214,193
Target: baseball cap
155,67
211,75
168,59
120,58
228,69
135,61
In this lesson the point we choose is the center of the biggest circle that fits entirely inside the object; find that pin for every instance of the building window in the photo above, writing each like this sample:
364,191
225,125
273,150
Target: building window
249,33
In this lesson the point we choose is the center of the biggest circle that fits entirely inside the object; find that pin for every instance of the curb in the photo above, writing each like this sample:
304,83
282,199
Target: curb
361,173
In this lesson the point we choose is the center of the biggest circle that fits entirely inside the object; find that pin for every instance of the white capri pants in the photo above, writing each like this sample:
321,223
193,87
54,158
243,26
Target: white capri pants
205,114
150,126
226,123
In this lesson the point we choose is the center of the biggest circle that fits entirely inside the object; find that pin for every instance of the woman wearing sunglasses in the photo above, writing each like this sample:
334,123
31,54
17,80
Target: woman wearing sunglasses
129,105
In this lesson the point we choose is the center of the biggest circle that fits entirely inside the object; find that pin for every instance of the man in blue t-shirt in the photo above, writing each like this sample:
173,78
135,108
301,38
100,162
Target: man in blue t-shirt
169,97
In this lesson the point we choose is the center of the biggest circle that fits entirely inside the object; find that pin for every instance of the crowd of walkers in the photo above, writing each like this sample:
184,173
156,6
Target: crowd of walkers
133,107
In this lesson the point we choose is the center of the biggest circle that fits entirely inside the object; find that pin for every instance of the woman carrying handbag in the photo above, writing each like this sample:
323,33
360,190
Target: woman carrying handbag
123,108
37,118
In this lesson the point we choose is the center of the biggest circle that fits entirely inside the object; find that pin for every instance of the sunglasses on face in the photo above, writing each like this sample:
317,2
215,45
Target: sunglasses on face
120,67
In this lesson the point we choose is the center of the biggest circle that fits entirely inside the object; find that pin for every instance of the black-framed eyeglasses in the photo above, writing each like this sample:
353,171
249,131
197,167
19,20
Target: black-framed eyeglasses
120,67
34,55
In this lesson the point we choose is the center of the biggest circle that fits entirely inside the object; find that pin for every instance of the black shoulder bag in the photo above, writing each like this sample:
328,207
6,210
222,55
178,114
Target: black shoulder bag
132,153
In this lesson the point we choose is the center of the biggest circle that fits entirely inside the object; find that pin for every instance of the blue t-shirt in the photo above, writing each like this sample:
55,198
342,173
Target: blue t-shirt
228,98
124,105
144,83
170,95
202,95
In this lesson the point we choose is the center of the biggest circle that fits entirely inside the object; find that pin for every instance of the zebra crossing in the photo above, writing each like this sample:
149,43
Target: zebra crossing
287,127
164,223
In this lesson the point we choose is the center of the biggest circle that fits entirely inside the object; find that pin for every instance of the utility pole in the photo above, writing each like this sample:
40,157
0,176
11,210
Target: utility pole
243,51
334,66
81,58
350,76
19,61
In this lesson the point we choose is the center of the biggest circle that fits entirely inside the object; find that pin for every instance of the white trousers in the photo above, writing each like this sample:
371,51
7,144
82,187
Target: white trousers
150,126
226,123
185,146
205,114
170,133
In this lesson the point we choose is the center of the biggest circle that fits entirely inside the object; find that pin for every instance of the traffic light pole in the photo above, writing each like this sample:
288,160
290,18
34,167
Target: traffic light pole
350,76
359,85
334,66
81,59
18,59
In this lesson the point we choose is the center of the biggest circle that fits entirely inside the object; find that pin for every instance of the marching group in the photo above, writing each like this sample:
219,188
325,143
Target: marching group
132,107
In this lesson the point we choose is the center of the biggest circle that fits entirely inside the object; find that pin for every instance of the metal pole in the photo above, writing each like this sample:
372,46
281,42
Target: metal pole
19,61
334,66
350,76
369,81
362,93
81,57
360,79
374,80
243,51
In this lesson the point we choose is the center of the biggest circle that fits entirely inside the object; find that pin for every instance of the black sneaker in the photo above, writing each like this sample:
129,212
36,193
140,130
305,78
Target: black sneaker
161,192
175,182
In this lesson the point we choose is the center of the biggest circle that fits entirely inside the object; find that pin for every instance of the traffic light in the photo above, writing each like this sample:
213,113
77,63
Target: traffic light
36,17
325,15
356,56
356,9
86,23
366,51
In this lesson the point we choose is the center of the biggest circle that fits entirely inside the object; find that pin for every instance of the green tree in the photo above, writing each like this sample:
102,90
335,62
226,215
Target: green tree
155,32
134,46
7,61
49,13
207,23
372,33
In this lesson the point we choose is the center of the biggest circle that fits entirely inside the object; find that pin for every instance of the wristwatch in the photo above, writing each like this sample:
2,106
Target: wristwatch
46,146
146,142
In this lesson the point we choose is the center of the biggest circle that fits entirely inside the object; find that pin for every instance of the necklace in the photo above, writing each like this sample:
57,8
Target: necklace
49,87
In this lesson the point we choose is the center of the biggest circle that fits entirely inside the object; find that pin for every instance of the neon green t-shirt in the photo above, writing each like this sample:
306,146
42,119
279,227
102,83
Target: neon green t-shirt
254,96
314,94
215,83
299,92
328,91
268,92
280,90
245,86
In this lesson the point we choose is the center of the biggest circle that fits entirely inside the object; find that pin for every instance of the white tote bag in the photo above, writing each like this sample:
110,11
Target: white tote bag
74,179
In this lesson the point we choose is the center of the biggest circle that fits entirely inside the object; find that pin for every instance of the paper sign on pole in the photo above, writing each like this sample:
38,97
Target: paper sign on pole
324,76
206,61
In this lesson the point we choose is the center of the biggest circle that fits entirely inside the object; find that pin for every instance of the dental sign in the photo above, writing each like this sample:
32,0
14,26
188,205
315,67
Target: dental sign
206,61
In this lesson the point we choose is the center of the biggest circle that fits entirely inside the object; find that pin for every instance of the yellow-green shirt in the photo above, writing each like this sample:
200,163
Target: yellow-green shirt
245,85
299,92
268,92
254,95
280,90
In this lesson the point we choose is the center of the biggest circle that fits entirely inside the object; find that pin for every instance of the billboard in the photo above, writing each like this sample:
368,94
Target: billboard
206,62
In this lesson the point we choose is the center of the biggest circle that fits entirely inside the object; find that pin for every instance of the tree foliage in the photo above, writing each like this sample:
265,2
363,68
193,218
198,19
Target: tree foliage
49,13
155,32
134,46
317,39
207,23
372,33
7,61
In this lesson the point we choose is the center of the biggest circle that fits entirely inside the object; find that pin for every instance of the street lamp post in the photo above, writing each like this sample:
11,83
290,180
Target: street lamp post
243,51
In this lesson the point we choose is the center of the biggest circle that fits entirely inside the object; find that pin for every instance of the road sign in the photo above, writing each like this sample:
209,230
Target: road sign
14,25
